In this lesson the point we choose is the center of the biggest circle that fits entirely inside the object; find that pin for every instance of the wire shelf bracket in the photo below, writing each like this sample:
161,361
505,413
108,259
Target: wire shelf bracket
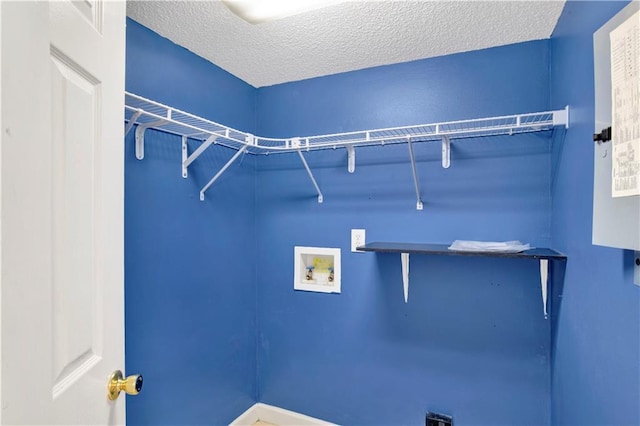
188,159
148,114
185,155
446,152
404,259
131,122
221,171
351,159
544,284
313,180
414,170
561,117
140,131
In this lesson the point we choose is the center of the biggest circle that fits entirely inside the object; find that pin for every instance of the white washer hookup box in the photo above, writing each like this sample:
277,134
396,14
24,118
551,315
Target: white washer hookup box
316,269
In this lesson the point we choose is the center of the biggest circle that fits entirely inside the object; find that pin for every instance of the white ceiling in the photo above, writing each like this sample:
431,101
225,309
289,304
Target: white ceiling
343,37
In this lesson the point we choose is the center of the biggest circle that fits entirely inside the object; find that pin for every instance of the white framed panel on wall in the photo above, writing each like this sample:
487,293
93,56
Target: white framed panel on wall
616,220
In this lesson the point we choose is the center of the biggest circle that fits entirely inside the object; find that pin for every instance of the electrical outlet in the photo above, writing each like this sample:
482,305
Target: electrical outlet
357,239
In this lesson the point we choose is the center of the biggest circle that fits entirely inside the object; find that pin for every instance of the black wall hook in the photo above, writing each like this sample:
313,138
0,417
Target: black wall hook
603,136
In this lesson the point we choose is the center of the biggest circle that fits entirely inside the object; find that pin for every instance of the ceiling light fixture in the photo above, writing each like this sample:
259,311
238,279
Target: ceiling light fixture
257,11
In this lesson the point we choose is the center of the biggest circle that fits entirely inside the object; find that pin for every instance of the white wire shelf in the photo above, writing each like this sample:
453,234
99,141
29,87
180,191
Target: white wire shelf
139,110
148,114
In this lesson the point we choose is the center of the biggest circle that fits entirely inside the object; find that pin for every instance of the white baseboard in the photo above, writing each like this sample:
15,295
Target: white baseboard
277,416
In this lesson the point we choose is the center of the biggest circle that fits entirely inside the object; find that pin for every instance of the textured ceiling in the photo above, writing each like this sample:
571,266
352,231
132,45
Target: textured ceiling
343,37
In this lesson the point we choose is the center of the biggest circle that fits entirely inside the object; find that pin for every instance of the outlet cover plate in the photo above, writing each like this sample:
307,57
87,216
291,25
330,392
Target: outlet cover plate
358,238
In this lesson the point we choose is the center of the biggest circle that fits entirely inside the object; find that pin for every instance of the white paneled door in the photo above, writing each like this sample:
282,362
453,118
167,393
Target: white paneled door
62,210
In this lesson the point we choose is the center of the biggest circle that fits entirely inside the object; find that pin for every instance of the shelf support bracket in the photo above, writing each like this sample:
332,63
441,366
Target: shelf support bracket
140,130
544,278
351,159
415,175
446,152
313,180
187,160
404,258
185,154
561,117
222,170
131,122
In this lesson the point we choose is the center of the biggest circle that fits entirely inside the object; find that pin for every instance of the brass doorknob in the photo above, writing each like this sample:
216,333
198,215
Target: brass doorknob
131,385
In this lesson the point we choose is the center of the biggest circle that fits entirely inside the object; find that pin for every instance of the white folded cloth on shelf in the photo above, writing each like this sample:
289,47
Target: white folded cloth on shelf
489,246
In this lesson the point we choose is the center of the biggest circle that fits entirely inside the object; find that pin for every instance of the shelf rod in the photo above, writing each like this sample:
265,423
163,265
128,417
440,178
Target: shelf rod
313,180
222,170
132,121
203,146
416,183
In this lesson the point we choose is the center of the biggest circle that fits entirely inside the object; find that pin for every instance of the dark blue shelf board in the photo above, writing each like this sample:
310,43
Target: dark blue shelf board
443,249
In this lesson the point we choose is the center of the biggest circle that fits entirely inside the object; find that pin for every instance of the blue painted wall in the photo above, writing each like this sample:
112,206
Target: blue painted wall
189,270
472,341
596,377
